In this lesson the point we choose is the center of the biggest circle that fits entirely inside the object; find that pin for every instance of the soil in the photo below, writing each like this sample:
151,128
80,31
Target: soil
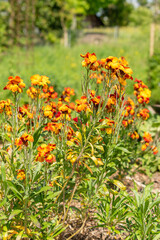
91,233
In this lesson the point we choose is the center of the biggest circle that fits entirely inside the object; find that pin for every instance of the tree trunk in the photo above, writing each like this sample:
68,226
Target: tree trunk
152,36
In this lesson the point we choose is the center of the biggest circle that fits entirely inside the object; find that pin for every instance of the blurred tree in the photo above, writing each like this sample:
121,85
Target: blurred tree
69,10
142,2
140,16
4,24
118,12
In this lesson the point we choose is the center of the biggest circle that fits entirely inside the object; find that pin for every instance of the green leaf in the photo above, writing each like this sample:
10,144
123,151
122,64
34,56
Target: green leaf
14,213
52,195
43,189
157,237
3,202
35,221
75,208
3,170
37,170
14,190
7,138
36,135
99,147
123,149
119,184
3,217
19,236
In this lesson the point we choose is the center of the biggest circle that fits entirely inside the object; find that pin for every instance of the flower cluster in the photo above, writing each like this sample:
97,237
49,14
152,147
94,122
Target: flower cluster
147,143
142,92
15,84
21,174
5,106
37,80
23,140
44,153
118,67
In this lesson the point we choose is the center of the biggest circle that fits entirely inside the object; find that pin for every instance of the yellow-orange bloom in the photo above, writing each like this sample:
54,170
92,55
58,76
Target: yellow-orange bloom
21,174
15,84
38,80
23,140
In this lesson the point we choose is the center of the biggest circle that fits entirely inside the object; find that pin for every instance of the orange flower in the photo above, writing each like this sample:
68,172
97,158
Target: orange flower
147,137
21,174
38,80
144,146
134,135
44,153
144,114
5,106
142,92
33,92
15,84
154,149
89,58
23,140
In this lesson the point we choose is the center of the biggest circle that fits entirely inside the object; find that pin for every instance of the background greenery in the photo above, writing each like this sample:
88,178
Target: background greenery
46,37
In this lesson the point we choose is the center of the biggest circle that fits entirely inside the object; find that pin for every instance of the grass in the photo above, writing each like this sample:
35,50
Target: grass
63,65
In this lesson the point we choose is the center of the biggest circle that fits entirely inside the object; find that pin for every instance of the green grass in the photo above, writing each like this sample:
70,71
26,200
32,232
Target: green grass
63,65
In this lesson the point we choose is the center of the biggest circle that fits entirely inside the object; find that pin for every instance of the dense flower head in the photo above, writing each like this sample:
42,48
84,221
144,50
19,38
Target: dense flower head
89,59
45,153
33,92
37,80
50,110
53,127
154,150
15,84
108,125
147,137
82,104
134,135
118,67
23,140
66,94
24,111
21,174
143,113
5,106
142,92
48,93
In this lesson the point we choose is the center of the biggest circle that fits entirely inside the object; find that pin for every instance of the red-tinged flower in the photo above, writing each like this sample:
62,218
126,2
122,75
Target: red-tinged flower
144,146
134,135
75,119
154,149
23,111
33,93
89,58
144,114
65,109
147,137
82,104
125,123
23,140
44,153
50,158
54,127
48,93
21,174
142,92
15,84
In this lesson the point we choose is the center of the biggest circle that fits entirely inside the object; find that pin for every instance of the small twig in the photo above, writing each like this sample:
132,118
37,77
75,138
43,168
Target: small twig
84,222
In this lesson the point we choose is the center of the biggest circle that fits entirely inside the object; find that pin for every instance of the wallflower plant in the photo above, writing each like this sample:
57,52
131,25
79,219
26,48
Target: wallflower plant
56,152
